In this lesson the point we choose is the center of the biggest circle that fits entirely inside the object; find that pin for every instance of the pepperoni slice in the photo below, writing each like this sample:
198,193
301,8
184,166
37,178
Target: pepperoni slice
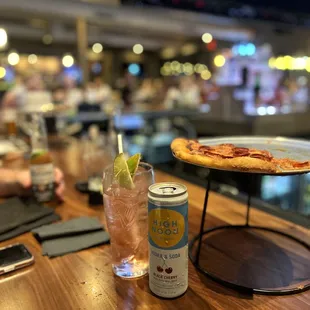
205,148
300,165
241,151
261,156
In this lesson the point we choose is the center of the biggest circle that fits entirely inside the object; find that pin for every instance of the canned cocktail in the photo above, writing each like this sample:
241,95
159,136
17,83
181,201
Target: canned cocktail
168,239
126,213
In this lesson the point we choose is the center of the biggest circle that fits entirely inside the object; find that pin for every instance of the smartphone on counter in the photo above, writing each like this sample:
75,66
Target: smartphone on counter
14,257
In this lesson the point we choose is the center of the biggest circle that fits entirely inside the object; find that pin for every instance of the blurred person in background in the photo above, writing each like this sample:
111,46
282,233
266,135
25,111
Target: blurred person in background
104,91
159,90
204,90
98,92
30,96
18,182
58,94
12,96
90,95
126,86
190,92
73,95
145,93
257,87
173,95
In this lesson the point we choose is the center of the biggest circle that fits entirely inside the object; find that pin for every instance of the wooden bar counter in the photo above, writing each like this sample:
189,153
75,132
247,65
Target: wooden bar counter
85,280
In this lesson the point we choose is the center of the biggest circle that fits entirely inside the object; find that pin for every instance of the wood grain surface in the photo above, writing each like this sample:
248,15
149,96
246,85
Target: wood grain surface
84,280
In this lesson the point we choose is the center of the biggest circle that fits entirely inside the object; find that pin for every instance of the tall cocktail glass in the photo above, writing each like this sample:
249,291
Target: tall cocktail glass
126,215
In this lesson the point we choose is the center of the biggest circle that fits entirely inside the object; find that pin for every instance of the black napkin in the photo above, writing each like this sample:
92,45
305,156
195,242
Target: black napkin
29,226
71,236
14,213
18,217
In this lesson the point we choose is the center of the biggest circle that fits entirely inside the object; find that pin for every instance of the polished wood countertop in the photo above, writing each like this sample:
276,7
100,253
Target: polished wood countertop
85,280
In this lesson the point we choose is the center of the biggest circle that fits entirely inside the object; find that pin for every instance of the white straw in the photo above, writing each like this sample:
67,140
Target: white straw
120,143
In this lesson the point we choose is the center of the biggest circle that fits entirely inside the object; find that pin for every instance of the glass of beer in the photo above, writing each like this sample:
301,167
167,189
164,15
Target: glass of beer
9,120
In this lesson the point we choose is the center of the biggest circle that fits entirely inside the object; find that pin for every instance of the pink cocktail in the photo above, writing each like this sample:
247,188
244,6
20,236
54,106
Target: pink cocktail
126,215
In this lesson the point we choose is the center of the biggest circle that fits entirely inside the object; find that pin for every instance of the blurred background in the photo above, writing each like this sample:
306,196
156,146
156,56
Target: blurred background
158,69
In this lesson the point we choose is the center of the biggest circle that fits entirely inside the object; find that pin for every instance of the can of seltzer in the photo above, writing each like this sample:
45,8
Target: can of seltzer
168,239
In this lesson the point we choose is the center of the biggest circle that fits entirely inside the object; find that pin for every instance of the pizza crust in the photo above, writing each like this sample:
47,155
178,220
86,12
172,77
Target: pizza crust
242,164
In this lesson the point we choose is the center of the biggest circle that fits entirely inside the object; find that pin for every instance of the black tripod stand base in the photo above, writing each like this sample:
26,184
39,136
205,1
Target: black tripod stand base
298,288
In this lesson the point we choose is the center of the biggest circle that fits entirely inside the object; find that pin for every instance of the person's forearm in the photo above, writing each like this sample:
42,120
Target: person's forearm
9,185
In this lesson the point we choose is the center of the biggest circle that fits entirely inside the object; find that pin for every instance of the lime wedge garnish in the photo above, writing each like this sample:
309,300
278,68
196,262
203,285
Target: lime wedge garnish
133,163
122,173
37,153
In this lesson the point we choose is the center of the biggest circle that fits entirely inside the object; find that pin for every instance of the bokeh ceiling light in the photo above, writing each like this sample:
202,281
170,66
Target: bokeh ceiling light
299,63
168,53
32,59
188,68
280,65
308,65
2,72
47,39
288,62
205,75
271,110
261,111
200,67
175,65
250,49
219,61
272,63
167,64
97,48
137,49
13,58
68,61
207,37
134,69
3,38
164,71
188,49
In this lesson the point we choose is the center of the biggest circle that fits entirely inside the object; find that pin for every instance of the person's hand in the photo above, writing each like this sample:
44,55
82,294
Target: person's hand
23,178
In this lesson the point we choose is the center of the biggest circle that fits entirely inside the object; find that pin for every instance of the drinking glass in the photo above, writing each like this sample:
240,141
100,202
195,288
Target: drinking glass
9,119
94,162
126,215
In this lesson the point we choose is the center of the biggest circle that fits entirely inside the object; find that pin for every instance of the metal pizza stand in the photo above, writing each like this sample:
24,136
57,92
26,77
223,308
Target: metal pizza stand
280,148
